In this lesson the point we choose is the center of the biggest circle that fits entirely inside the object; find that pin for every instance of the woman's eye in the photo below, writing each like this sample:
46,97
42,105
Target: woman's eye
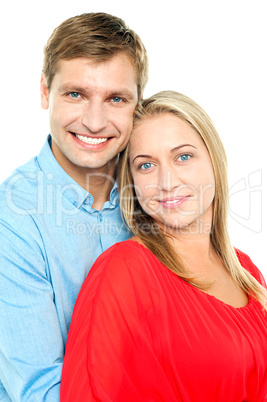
184,158
146,166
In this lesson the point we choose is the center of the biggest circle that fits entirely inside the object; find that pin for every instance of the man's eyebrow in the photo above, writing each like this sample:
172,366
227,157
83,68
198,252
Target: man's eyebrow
172,151
121,92
71,88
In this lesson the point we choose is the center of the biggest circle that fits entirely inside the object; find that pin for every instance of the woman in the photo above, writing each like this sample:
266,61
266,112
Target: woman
175,313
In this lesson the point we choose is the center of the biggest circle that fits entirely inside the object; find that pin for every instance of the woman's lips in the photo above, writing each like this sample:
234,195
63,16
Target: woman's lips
173,202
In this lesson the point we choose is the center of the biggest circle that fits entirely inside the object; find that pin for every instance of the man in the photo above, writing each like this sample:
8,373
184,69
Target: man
60,211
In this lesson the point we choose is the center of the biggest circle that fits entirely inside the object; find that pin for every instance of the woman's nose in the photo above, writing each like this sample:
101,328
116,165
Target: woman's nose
168,179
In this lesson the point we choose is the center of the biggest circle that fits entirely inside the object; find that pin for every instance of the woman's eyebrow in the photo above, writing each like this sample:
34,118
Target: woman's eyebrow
181,146
141,156
172,150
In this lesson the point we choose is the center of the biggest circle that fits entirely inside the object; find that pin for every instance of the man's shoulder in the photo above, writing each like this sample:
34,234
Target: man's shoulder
25,170
25,180
21,187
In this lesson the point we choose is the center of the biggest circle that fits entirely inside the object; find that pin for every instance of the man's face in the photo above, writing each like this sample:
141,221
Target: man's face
91,108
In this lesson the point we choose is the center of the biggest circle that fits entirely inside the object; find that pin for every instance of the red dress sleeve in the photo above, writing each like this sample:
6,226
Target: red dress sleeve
246,262
109,354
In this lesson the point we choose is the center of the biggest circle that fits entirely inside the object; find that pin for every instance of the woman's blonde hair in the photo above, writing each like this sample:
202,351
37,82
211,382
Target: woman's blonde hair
143,226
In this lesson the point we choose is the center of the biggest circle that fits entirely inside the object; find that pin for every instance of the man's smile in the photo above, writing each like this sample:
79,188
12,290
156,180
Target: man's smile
90,140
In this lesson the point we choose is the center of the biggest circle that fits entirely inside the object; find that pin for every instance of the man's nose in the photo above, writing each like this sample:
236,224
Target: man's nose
95,116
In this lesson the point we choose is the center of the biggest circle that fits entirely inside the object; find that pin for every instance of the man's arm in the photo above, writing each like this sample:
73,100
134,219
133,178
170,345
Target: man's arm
31,345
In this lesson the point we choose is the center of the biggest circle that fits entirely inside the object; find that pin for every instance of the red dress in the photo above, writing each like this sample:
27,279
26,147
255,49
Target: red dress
140,333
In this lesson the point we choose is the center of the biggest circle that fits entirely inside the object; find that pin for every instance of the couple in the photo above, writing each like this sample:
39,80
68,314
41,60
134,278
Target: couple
173,313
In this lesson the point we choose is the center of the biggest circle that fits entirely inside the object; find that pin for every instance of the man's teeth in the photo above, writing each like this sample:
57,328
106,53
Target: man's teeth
90,140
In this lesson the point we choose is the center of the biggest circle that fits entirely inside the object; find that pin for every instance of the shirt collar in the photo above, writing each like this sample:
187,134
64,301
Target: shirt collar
70,189
114,195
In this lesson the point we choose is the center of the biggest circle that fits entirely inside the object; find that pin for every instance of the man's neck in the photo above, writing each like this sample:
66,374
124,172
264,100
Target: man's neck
97,182
99,185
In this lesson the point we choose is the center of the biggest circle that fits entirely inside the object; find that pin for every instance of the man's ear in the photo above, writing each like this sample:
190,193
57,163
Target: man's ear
44,93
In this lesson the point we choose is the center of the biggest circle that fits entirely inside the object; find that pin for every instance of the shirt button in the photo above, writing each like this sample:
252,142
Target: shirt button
89,200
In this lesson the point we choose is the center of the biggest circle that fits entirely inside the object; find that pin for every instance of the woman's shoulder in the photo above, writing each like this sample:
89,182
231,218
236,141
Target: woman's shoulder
121,262
247,263
126,251
122,274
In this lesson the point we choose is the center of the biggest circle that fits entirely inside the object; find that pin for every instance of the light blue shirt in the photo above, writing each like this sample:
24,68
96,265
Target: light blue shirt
49,238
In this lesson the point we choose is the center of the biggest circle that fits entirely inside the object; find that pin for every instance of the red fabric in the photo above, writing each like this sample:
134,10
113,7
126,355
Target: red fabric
140,333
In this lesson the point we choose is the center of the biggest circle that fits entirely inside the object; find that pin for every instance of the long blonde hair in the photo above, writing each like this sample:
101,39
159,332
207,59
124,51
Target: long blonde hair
143,226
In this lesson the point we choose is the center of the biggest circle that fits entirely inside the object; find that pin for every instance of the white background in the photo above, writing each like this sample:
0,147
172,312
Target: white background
213,51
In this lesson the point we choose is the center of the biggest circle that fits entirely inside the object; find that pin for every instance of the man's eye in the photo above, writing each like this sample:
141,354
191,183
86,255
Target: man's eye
74,95
116,99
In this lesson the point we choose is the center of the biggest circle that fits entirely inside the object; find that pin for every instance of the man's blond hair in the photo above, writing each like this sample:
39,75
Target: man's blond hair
97,36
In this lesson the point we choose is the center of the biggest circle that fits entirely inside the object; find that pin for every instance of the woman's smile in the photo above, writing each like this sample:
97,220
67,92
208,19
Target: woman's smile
173,202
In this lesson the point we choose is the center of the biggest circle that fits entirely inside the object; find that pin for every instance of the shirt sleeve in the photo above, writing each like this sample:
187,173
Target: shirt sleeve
31,345
110,354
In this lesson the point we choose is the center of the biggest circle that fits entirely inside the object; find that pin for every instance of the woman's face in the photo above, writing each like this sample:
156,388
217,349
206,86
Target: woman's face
172,173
